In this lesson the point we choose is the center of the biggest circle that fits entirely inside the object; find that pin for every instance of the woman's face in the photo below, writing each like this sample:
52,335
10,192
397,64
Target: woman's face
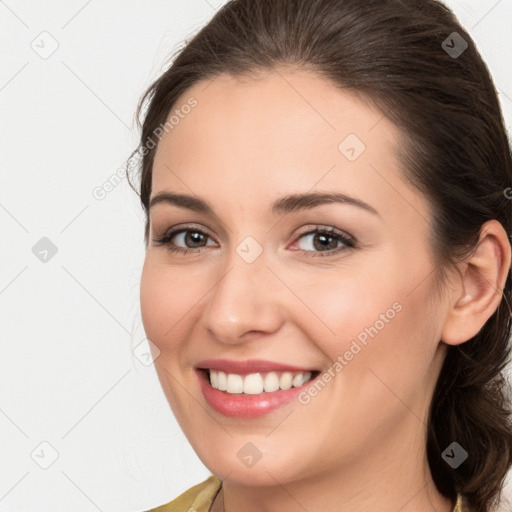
263,300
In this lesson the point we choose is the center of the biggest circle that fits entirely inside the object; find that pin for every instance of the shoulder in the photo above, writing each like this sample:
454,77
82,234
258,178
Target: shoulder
198,498
461,505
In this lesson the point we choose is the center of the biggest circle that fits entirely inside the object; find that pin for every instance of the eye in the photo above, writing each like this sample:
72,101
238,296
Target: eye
324,240
184,239
320,241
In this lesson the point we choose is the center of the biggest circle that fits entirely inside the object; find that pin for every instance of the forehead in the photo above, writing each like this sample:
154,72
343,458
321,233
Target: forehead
281,130
274,110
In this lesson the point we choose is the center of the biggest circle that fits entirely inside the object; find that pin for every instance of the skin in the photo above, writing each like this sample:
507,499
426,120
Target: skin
360,443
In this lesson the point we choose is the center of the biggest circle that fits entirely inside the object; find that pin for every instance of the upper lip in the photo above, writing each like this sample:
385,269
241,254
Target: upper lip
248,366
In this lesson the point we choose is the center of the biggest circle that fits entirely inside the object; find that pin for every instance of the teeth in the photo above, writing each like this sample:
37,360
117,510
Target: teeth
257,383
253,384
222,381
235,383
285,382
214,380
297,381
271,382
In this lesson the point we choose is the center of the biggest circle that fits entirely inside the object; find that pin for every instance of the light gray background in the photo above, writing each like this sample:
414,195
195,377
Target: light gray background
68,376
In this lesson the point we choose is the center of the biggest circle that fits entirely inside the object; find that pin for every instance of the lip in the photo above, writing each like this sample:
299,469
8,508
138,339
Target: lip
242,405
249,366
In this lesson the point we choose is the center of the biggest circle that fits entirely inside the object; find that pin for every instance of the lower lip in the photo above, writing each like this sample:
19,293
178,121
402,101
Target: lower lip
246,406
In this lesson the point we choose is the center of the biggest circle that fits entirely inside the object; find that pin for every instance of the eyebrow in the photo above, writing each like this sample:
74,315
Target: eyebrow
283,205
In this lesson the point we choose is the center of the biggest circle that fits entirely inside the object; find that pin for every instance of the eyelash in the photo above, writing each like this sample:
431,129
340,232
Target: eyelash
347,241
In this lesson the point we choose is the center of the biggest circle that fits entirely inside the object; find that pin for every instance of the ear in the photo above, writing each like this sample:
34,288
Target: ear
477,291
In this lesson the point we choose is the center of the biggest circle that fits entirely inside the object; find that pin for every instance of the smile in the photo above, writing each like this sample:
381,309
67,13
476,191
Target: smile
257,383
250,389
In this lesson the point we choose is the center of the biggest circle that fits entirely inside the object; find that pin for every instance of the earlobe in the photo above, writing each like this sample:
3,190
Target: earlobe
478,288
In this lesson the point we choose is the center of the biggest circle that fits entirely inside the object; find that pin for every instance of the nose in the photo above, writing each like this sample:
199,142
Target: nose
244,304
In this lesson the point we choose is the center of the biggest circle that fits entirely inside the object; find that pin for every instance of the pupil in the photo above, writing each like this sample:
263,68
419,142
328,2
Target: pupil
323,238
193,237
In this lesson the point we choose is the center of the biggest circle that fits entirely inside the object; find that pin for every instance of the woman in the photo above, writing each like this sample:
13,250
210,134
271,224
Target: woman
327,273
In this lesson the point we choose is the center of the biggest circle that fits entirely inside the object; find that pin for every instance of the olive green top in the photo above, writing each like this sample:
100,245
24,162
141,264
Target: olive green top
200,498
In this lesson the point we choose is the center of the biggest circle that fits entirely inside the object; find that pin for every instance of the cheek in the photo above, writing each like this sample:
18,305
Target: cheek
167,297
340,305
381,352
372,317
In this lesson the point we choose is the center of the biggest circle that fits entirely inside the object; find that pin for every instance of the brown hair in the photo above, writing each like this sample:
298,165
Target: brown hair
396,54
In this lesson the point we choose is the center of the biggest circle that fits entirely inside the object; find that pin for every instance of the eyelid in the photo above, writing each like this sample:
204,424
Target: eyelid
347,240
321,228
163,238
186,227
